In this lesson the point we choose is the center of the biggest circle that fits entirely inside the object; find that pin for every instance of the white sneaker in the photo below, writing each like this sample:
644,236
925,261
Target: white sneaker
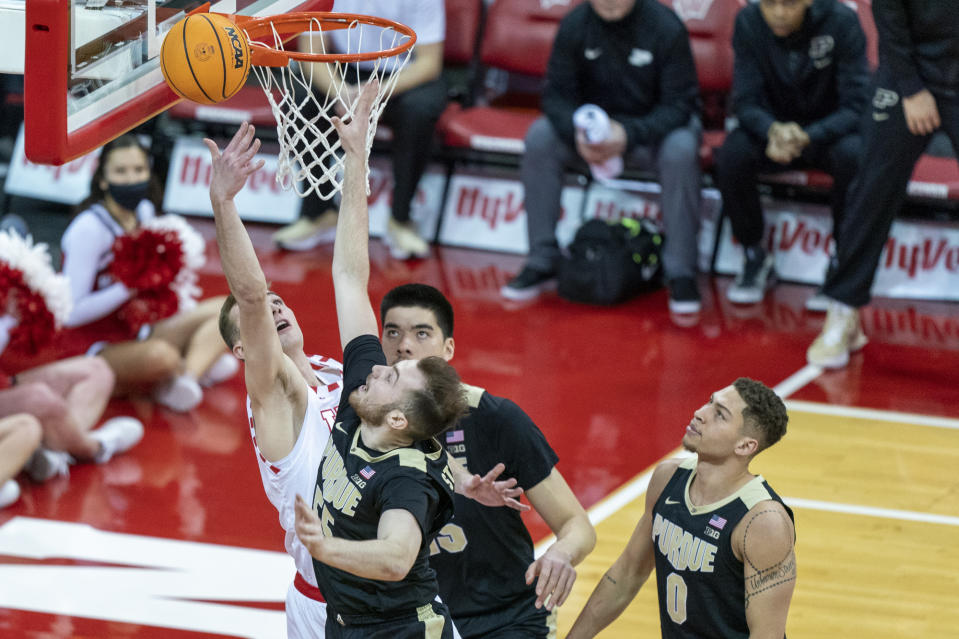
225,367
403,241
9,492
841,335
818,303
45,464
181,394
117,435
306,234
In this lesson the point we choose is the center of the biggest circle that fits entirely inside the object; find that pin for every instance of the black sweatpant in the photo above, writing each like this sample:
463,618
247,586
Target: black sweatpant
743,156
890,153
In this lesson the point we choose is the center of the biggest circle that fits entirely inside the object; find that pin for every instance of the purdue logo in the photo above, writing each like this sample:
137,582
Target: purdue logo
237,47
884,99
821,46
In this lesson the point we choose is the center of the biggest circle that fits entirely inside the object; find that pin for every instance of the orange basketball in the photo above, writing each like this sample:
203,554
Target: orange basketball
205,58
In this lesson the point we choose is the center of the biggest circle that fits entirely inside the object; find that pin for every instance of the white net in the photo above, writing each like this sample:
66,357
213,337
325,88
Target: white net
304,97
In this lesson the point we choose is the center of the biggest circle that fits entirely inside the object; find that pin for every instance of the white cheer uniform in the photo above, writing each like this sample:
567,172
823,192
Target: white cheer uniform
295,474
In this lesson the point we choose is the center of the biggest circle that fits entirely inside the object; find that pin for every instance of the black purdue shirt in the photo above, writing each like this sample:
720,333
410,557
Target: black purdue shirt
481,556
639,69
698,578
817,76
355,485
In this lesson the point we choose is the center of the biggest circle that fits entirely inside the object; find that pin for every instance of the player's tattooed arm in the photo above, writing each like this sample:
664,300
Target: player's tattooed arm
765,543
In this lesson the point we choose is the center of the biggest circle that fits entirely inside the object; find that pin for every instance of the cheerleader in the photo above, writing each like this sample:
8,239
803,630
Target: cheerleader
48,413
171,359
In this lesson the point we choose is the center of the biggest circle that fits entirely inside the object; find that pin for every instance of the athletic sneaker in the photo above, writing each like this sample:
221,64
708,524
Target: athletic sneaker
841,335
9,492
757,276
402,240
117,435
225,367
306,234
45,464
528,284
181,394
818,303
684,296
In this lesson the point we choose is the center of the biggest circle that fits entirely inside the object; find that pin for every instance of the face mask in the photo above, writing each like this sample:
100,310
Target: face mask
128,195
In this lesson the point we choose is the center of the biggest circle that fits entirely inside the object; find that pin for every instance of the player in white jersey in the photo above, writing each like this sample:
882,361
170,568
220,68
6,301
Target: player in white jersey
287,396
295,474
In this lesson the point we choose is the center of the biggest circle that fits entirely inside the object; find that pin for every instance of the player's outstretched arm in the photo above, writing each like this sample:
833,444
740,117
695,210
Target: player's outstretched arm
389,557
486,489
765,537
351,254
575,538
266,374
620,584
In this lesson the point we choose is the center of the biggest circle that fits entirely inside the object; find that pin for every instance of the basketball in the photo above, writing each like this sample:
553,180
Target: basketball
205,58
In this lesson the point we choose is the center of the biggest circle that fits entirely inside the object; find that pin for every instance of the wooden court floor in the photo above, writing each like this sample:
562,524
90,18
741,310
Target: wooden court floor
875,498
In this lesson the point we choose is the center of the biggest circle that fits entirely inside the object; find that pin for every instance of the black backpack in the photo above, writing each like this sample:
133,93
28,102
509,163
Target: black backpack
610,262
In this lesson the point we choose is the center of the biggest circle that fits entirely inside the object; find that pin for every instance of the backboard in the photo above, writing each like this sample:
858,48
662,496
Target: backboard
91,70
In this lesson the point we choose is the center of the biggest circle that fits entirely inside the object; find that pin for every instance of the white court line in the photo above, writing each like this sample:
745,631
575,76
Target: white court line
797,380
907,419
870,511
635,487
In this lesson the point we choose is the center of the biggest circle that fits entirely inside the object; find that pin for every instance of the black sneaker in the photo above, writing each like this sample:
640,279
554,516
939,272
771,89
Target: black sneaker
528,284
684,296
757,276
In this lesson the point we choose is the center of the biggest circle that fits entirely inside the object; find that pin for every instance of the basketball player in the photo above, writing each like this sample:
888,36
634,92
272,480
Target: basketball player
292,398
490,549
720,538
287,418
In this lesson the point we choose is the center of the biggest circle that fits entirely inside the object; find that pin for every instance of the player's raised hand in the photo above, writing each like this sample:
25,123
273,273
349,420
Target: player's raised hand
235,164
556,577
490,492
309,528
354,130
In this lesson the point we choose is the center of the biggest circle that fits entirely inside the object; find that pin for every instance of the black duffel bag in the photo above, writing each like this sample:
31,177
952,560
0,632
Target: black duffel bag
610,262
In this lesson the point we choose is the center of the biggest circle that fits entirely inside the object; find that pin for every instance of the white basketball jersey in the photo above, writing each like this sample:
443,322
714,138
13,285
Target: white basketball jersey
295,474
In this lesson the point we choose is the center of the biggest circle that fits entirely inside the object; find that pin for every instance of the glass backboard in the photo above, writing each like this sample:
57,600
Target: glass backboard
91,70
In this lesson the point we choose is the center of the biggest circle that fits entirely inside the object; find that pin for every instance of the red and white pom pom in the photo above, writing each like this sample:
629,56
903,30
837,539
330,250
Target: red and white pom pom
193,248
159,260
41,297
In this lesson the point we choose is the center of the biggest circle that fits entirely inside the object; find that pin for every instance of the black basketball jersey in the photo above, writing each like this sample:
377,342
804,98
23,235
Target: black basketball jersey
698,578
355,485
481,555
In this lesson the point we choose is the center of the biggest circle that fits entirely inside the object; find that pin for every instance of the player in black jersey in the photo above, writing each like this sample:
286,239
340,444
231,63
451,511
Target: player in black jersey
720,538
484,556
384,487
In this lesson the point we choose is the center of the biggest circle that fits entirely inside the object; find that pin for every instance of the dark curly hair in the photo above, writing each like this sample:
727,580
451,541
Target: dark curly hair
440,405
765,412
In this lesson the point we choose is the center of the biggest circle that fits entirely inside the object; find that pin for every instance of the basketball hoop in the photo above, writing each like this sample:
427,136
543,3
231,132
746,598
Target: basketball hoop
309,157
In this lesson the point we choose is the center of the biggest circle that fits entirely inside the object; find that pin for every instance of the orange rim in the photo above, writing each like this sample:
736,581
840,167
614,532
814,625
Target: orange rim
288,25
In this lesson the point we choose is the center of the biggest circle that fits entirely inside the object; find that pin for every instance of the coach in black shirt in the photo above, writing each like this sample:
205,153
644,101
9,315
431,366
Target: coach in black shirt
800,82
633,59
